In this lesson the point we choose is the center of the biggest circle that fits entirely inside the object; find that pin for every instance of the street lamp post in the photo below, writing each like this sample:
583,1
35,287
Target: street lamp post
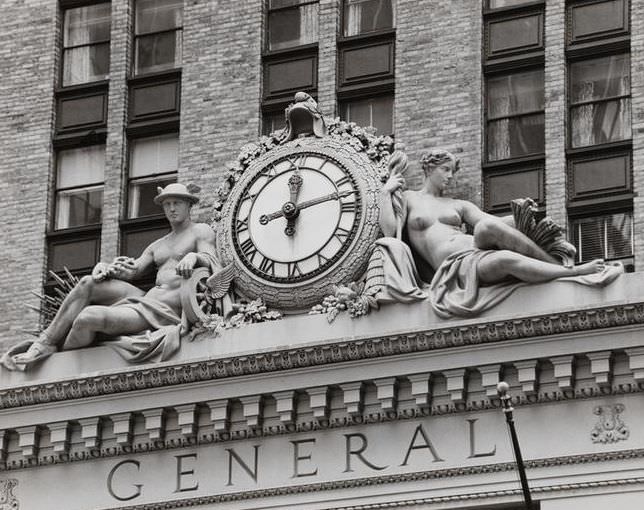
502,389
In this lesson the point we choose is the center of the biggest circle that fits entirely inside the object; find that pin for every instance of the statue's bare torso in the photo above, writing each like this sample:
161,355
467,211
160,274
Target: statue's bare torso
434,226
166,253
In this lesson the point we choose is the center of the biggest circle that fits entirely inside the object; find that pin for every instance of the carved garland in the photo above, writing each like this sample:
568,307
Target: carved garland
369,348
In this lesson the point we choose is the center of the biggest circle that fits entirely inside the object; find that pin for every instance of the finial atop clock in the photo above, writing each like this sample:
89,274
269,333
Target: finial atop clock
304,118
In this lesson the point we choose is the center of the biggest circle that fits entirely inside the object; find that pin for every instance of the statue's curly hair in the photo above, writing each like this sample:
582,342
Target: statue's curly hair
437,157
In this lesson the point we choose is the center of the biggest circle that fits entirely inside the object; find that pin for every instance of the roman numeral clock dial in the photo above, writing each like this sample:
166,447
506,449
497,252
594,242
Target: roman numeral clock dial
296,217
301,218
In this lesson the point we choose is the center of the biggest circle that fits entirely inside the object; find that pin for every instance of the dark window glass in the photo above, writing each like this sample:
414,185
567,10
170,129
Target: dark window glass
495,4
290,76
136,241
610,174
158,31
292,24
86,47
515,104
364,16
502,188
75,255
523,33
376,112
609,236
600,104
598,18
272,122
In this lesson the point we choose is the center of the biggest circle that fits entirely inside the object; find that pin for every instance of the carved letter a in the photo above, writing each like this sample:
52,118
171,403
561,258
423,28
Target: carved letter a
427,444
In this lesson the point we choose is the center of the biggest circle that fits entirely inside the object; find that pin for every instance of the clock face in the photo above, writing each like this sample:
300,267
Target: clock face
296,217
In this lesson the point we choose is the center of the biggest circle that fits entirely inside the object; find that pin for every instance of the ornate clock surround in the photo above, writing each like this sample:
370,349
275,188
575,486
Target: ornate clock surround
350,261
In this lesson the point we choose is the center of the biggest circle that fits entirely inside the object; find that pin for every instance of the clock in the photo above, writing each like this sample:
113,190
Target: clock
300,220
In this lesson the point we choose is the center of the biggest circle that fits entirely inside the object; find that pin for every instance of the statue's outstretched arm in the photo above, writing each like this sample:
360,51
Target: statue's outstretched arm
125,268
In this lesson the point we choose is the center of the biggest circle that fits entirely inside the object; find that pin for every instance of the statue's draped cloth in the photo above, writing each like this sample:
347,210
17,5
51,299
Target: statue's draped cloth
160,341
166,329
456,291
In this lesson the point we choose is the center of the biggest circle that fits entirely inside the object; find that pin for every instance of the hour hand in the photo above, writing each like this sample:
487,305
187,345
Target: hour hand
294,185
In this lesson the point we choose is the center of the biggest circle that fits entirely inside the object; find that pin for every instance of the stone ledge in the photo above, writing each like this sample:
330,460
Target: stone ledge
301,341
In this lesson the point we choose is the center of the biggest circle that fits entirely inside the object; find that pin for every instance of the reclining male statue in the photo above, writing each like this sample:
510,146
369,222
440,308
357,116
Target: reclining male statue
105,303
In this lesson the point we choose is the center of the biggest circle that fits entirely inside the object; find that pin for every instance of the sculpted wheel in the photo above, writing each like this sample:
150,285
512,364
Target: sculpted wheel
195,301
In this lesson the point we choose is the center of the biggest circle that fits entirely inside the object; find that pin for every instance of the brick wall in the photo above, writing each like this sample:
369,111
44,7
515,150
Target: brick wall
220,90
555,102
27,70
438,85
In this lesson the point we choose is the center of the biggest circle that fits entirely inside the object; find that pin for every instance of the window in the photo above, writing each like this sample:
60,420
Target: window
496,4
86,44
608,236
365,16
599,167
515,115
376,112
291,23
514,103
153,163
74,242
290,57
600,105
81,98
79,187
366,64
273,121
158,35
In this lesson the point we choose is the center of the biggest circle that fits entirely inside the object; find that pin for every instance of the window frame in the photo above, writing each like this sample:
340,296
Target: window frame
503,63
134,73
619,207
385,32
66,5
588,56
266,44
368,86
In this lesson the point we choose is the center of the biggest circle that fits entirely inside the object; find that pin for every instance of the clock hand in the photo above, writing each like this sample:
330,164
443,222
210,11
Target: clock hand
265,218
331,196
294,185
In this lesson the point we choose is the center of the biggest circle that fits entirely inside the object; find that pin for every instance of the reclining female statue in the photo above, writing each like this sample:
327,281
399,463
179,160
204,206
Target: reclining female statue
105,303
496,252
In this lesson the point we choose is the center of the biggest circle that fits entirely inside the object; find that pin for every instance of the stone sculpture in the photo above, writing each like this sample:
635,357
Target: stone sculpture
105,303
472,272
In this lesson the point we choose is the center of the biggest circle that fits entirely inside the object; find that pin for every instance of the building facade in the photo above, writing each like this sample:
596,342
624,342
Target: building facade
105,101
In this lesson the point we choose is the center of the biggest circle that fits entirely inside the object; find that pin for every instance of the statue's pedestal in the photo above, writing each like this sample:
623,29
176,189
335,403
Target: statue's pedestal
302,331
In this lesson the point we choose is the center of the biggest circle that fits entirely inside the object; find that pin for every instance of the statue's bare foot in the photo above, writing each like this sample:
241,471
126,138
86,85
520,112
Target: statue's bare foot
594,266
37,351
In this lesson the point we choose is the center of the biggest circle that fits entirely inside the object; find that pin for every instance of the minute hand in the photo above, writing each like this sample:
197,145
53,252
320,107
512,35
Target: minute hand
336,195
331,196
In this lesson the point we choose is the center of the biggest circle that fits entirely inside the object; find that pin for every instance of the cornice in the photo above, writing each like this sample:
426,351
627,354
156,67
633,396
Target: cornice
419,476
206,435
490,331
